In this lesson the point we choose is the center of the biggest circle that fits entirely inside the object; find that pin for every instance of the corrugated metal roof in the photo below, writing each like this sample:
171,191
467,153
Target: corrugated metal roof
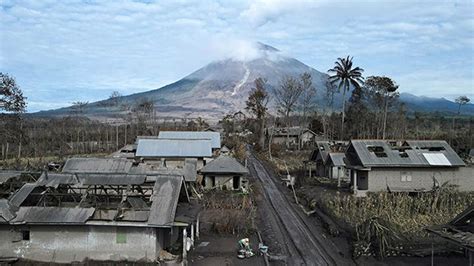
55,179
111,179
337,158
224,164
433,145
20,196
323,150
215,137
97,165
6,175
7,211
165,200
52,215
184,148
383,154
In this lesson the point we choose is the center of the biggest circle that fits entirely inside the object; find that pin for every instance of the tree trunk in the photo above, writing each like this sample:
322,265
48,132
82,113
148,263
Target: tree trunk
343,112
262,132
385,117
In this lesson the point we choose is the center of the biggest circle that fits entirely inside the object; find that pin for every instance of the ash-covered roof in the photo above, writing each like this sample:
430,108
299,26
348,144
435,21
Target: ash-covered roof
336,158
214,137
52,215
224,165
379,153
7,211
97,165
165,200
174,148
20,196
7,175
56,179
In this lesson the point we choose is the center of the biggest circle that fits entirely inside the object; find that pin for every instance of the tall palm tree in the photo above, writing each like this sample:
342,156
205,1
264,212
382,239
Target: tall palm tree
345,76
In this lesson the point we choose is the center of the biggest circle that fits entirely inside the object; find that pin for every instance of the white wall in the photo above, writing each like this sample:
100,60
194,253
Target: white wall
65,244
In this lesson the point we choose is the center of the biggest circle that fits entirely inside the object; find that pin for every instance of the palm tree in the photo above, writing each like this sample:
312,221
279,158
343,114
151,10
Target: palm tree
345,76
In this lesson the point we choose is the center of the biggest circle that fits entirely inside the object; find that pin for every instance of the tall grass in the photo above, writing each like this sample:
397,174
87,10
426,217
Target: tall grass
411,213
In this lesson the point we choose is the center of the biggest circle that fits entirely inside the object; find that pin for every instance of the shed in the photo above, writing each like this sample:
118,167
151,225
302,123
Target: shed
224,172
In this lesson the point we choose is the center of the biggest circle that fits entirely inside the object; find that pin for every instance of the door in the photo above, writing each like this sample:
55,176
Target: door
236,182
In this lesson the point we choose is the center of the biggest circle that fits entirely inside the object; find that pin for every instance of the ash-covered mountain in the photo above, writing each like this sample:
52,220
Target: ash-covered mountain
222,87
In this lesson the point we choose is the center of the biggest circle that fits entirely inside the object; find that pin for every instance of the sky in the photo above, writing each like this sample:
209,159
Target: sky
82,50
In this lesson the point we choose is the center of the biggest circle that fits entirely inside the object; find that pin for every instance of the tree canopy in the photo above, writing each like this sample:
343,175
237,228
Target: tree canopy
11,96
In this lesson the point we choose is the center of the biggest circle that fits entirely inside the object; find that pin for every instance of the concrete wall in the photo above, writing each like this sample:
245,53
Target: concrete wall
335,171
221,181
65,244
421,178
173,162
282,140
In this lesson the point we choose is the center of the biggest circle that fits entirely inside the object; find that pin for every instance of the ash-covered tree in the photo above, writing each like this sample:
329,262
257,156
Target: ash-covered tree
287,95
11,96
307,103
13,103
114,98
357,113
385,89
257,103
461,100
345,75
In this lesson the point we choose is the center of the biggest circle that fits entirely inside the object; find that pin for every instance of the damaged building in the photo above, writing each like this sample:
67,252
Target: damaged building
72,217
379,165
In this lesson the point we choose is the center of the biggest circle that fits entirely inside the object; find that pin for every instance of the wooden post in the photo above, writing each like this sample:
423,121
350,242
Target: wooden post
355,182
185,235
192,235
197,226
309,166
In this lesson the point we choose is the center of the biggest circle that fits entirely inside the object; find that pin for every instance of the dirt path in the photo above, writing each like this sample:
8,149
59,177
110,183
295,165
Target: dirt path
301,242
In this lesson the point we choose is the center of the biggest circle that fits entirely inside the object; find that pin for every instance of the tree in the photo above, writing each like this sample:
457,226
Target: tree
114,97
307,96
357,112
287,95
461,100
78,107
345,76
257,105
11,96
386,88
329,100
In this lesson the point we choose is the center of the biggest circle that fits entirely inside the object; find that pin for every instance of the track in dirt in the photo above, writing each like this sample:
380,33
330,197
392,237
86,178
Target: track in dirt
303,245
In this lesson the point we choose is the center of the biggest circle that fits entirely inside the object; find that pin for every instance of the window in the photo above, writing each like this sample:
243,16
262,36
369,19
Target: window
436,149
121,236
405,177
25,235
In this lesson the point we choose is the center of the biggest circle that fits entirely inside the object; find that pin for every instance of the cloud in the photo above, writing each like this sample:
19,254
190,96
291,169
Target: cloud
74,49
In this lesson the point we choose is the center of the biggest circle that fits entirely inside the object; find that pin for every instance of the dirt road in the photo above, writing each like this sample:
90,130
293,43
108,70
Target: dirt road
303,242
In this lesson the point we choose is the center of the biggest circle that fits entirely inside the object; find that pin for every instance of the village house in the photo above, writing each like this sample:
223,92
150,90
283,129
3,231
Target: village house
336,166
71,217
296,136
214,137
379,165
224,172
172,153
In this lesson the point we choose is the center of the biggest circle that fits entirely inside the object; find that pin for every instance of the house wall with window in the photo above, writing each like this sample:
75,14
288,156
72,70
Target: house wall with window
416,179
229,182
69,243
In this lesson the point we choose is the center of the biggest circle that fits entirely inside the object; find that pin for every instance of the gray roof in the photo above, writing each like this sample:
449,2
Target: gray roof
214,137
6,175
225,149
174,148
56,179
434,145
97,165
337,158
52,215
322,151
7,211
224,164
165,200
21,194
412,155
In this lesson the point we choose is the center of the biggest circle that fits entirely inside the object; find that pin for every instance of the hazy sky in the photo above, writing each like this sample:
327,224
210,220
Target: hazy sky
67,50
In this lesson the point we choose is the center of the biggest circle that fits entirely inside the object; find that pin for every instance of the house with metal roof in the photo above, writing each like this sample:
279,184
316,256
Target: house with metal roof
173,152
336,166
224,172
379,165
296,136
71,217
214,137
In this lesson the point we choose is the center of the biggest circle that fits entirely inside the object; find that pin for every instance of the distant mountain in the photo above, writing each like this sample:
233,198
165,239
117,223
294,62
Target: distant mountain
223,86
